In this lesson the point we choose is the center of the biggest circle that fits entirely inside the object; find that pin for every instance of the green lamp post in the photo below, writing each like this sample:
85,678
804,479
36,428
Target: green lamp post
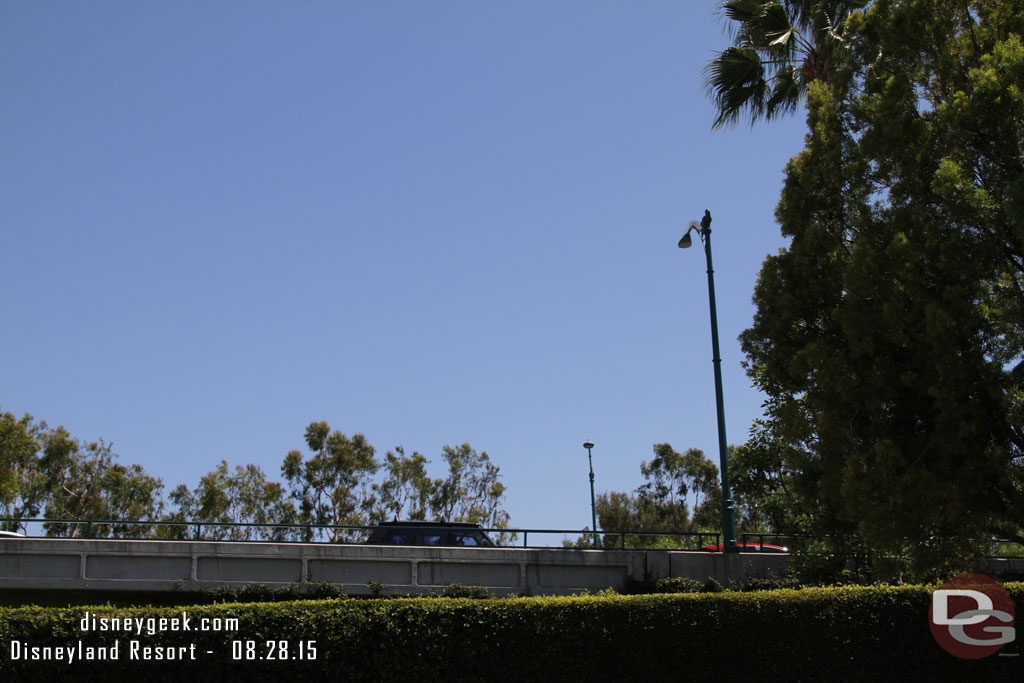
728,509
593,504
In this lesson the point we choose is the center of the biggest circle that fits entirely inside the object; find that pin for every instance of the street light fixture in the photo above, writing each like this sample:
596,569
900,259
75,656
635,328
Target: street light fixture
593,505
728,509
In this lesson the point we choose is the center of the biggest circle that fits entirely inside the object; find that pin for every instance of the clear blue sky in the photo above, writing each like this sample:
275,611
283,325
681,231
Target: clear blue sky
429,222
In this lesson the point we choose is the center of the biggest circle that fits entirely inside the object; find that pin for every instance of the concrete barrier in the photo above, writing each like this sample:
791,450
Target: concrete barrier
181,566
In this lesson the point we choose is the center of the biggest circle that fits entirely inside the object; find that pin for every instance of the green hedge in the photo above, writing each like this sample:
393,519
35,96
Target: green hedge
814,634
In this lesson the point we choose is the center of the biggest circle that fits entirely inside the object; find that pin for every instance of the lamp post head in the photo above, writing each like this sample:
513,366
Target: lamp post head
588,444
704,229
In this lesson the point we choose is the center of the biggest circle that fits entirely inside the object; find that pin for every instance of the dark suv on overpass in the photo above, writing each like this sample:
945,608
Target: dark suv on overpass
448,534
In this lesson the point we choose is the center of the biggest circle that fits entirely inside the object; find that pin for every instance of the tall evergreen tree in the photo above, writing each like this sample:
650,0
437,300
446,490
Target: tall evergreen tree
888,333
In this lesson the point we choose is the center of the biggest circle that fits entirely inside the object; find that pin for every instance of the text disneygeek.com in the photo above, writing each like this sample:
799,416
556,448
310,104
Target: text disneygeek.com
136,649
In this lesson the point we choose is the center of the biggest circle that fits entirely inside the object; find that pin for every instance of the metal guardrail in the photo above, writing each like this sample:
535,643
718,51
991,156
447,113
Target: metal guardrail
1000,548
269,532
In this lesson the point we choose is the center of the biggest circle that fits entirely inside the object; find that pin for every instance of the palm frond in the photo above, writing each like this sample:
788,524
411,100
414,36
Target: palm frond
779,46
743,10
735,80
786,93
740,13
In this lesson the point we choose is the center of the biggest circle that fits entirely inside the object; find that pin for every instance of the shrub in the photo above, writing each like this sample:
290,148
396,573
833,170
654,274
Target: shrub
713,586
457,590
321,590
678,584
848,633
770,583
818,563
255,592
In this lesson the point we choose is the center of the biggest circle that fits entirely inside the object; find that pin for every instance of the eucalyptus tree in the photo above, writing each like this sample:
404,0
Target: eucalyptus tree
662,503
46,472
406,490
238,504
471,491
334,486
84,482
22,484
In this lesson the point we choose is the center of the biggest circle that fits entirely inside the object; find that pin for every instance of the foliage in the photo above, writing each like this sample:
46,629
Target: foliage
670,477
244,496
322,590
260,592
678,584
760,476
22,485
854,632
771,583
660,503
824,562
331,488
406,492
780,47
335,486
1009,550
47,471
659,507
457,590
888,334
471,492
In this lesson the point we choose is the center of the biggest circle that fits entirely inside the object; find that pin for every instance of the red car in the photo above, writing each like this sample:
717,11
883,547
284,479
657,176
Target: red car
750,548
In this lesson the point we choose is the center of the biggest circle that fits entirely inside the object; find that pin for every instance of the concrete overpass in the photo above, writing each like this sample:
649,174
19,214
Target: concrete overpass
65,566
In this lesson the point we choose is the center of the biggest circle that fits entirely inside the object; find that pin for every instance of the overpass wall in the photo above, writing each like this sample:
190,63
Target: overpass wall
182,566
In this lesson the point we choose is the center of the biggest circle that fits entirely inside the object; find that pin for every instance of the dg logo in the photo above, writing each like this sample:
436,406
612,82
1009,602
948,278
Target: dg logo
971,616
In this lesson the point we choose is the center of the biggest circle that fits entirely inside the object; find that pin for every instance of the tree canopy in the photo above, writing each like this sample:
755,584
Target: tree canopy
46,472
332,486
242,497
336,485
780,47
661,505
888,333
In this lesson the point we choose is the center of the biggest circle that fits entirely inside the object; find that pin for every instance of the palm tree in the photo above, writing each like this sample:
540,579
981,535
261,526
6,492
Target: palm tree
779,48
